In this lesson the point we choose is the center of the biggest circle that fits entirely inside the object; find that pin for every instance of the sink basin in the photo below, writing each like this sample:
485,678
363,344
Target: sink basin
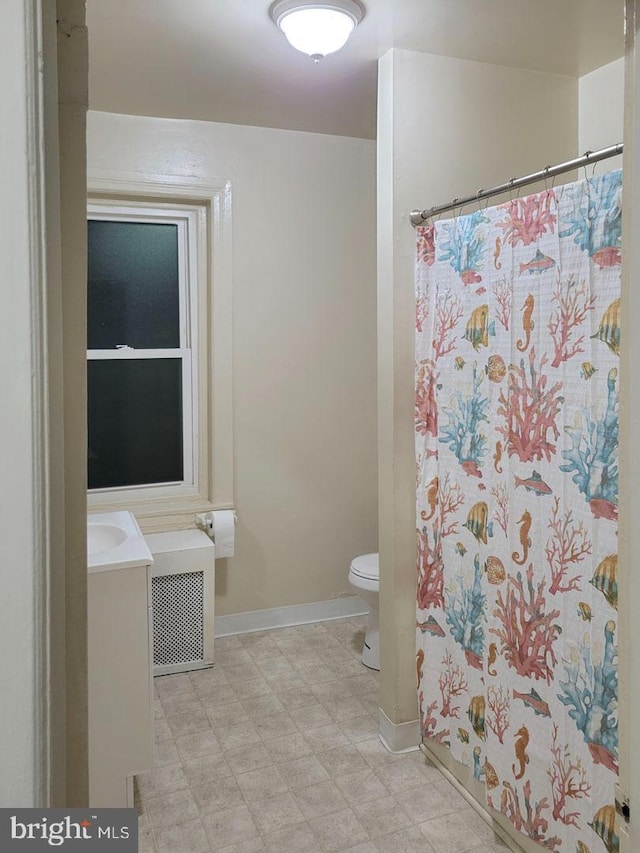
114,541
103,537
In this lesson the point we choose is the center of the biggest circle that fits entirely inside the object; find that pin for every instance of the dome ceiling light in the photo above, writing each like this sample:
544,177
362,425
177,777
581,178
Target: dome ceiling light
317,29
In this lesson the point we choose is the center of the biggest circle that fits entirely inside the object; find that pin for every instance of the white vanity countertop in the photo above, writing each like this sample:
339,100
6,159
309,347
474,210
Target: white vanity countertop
114,541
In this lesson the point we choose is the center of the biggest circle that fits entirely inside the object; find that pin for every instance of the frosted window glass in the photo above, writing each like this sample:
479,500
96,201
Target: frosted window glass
133,291
135,422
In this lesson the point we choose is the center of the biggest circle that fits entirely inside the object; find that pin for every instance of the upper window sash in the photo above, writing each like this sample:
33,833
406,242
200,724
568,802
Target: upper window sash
186,222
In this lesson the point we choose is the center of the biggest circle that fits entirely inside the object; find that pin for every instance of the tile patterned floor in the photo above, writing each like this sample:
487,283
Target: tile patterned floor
276,749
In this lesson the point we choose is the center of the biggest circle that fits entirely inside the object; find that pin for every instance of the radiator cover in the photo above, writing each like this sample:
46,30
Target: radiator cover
182,592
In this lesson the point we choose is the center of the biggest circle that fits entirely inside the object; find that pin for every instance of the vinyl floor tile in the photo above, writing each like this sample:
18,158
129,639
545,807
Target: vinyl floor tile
164,780
449,833
362,787
288,747
253,845
197,745
218,796
320,799
274,813
265,782
424,802
170,809
189,722
229,827
409,840
381,817
293,839
188,837
302,772
338,831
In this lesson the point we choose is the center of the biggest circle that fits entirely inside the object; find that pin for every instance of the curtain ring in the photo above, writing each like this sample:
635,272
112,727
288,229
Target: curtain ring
511,182
480,200
546,176
586,154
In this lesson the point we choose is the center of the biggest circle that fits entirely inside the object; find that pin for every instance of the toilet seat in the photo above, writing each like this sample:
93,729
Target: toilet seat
367,566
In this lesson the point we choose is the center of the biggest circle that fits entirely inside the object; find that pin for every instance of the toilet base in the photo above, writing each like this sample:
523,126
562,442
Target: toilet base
371,648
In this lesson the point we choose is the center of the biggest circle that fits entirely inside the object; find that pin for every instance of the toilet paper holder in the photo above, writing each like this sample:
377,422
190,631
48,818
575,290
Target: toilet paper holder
205,521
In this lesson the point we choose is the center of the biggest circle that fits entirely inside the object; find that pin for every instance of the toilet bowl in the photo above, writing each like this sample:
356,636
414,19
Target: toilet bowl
364,577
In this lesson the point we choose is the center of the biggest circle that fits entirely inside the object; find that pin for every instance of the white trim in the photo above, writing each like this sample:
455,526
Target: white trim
486,815
215,417
285,617
41,403
399,737
26,246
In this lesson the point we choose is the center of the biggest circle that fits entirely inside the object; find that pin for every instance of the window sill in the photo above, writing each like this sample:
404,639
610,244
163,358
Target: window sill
160,515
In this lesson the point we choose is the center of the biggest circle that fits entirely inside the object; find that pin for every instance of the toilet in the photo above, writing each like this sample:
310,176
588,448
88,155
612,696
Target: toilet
364,577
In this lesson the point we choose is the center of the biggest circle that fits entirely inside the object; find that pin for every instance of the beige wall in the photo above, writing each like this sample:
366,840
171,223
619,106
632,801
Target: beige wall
304,342
601,111
445,128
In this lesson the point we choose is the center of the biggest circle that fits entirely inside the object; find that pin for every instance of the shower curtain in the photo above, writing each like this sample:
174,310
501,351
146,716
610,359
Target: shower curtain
516,418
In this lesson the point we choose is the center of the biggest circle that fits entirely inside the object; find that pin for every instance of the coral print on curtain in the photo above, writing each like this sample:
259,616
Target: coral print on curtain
516,417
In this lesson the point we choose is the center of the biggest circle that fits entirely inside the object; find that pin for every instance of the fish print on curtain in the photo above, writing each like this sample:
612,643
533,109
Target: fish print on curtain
516,418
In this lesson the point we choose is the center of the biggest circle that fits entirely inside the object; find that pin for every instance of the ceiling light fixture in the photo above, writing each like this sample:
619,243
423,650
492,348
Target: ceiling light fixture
317,28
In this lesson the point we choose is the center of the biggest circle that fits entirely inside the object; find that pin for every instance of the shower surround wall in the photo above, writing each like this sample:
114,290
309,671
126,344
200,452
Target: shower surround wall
601,110
303,341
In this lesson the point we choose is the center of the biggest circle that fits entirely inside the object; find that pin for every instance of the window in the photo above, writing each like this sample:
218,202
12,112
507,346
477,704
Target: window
141,374
158,262
142,351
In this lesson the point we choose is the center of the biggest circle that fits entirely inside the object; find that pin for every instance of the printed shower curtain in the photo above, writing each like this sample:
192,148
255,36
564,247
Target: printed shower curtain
516,417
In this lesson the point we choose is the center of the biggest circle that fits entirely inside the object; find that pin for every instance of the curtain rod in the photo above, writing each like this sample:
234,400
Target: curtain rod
417,217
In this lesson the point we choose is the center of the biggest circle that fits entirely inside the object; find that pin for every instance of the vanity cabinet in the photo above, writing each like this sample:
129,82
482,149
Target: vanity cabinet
120,682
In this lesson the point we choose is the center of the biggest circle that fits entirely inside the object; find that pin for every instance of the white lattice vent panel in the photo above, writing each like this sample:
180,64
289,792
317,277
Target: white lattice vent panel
182,600
178,611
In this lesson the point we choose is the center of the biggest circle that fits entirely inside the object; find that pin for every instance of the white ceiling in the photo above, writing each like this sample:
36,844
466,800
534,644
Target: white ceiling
224,60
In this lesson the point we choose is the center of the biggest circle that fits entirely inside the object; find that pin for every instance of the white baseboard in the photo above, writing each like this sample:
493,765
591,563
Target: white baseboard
284,617
399,737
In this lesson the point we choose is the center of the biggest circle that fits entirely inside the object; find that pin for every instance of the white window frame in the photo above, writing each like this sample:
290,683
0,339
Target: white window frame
208,209
186,222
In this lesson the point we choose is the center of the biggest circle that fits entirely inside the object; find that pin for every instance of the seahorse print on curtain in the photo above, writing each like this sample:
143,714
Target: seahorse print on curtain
516,419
